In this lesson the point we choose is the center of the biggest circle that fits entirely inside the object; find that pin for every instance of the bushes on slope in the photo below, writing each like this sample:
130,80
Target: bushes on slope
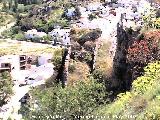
143,51
142,102
69,102
5,87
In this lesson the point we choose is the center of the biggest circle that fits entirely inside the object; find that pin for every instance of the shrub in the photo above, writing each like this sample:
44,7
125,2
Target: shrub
57,58
91,36
98,75
143,83
19,36
88,57
92,16
27,8
21,8
141,52
146,50
71,68
5,87
47,38
69,102
142,102
15,30
36,39
26,23
39,23
7,33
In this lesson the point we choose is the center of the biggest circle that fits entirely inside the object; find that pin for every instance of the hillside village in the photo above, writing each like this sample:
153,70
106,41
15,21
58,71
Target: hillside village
86,60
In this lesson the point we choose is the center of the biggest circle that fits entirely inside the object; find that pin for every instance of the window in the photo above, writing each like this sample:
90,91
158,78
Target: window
22,57
6,65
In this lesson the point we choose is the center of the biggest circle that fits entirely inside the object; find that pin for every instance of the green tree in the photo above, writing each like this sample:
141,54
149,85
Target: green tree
5,87
57,58
68,102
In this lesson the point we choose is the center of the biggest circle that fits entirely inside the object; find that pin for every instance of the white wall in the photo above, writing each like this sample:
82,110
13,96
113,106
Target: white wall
43,59
12,59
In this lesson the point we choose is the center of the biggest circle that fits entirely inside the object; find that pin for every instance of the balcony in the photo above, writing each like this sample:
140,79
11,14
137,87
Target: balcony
22,58
22,63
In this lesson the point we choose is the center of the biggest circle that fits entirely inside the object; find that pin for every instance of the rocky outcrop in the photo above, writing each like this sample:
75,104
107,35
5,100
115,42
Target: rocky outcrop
124,71
119,64
63,70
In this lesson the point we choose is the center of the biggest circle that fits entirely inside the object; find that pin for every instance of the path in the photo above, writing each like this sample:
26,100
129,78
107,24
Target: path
12,107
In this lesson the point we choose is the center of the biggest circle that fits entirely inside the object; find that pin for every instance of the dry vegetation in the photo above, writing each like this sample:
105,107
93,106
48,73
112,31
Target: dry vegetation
78,33
104,61
24,48
80,72
5,18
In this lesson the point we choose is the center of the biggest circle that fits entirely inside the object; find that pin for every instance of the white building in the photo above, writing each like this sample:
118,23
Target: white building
62,35
94,6
30,34
144,7
13,62
9,62
44,59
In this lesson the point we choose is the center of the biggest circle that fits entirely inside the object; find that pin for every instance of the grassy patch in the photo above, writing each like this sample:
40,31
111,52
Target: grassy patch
80,72
26,48
103,61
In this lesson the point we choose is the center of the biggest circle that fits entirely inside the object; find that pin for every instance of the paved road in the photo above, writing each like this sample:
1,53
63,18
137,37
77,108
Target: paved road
14,103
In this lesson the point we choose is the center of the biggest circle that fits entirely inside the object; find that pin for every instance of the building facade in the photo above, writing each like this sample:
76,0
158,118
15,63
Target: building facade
13,62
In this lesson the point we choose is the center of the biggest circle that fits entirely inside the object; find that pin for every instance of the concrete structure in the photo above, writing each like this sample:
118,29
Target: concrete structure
13,62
